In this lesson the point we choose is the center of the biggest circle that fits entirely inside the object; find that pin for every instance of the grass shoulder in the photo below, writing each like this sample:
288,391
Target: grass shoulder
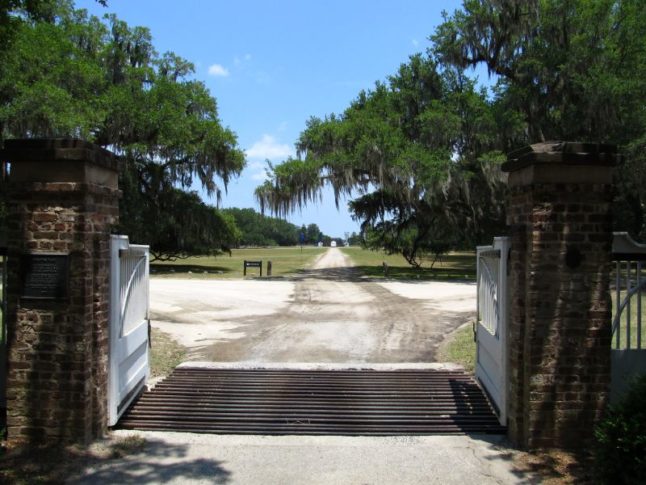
165,354
456,265
459,347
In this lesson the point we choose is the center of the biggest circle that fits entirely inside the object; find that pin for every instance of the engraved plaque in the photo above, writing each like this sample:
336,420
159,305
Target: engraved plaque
45,275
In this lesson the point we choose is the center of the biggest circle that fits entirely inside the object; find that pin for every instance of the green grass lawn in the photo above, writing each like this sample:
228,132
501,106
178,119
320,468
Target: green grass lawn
459,265
285,261
292,260
165,354
460,348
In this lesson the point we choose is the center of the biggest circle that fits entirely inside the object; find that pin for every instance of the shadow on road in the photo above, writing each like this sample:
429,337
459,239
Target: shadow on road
157,462
548,466
343,273
358,274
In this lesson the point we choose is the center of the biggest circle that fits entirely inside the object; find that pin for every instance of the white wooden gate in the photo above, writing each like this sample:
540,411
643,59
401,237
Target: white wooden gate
128,361
491,326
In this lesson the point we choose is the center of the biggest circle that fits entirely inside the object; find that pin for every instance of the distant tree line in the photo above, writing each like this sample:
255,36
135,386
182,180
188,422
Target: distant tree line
255,229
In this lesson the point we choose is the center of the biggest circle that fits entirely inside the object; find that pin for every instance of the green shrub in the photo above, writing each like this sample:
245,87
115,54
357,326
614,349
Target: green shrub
620,449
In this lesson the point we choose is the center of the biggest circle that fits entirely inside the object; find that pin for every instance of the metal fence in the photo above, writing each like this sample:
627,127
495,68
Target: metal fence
629,293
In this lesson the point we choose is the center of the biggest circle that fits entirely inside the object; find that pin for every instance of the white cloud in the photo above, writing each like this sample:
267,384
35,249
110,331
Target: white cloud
259,176
238,61
415,42
218,71
268,148
258,171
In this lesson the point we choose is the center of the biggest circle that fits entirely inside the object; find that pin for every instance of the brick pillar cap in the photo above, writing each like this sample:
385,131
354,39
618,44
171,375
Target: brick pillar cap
564,153
58,149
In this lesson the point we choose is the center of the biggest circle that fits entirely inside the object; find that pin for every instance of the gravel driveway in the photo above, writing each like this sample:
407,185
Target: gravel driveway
330,314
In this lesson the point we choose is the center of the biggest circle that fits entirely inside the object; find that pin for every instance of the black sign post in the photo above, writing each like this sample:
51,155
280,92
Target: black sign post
251,264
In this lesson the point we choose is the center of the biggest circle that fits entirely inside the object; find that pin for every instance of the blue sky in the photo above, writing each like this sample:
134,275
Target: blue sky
272,65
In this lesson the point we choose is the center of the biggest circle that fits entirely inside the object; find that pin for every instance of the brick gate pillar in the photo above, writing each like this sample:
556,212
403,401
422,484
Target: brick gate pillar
559,326
63,203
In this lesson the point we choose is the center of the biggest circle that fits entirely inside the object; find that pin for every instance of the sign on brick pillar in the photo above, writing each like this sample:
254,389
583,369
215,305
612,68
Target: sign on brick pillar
63,204
559,327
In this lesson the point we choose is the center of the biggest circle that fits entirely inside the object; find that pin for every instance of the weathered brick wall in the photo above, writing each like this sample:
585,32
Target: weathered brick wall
518,210
559,333
58,349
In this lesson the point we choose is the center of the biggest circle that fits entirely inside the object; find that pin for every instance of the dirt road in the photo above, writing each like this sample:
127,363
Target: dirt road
328,315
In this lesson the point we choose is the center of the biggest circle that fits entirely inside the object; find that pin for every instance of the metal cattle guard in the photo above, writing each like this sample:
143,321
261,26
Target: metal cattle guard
129,305
491,327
